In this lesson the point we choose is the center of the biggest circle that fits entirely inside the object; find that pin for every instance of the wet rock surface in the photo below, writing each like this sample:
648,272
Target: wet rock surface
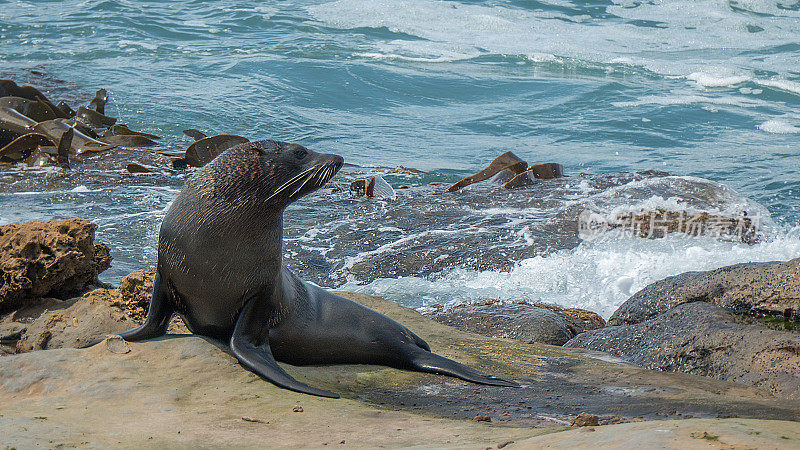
48,259
756,288
107,395
703,339
546,324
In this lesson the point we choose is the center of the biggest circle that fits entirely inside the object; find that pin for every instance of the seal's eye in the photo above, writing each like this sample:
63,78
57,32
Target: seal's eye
300,154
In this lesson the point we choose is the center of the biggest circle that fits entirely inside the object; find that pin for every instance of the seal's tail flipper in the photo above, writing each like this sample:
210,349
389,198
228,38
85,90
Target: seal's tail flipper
258,357
425,361
155,324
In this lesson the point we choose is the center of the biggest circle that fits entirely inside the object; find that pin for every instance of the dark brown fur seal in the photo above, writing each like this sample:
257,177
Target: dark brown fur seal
220,267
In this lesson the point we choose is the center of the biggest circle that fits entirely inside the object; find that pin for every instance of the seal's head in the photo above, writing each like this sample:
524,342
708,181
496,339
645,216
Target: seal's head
270,172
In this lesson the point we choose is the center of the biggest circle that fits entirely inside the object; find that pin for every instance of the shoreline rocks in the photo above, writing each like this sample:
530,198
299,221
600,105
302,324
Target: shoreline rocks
48,259
107,395
687,323
546,324
703,339
49,290
73,322
771,288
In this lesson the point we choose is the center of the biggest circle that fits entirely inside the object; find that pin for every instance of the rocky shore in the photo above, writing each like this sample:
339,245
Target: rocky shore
186,390
736,323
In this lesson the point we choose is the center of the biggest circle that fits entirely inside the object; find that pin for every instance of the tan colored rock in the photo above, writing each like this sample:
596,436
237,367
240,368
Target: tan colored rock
52,258
677,434
75,322
188,391
585,420
135,290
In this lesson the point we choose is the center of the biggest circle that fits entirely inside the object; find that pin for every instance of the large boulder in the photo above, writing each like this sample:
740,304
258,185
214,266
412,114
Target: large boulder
703,339
52,323
546,324
756,288
48,259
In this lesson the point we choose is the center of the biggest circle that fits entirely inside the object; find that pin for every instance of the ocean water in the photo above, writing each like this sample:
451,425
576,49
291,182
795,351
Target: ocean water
679,104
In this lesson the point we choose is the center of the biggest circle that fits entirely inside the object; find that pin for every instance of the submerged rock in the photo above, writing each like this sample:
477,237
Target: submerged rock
703,339
48,259
771,288
525,322
546,171
507,161
659,222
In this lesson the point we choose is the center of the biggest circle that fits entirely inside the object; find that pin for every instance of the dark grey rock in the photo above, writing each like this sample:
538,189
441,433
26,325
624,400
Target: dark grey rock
545,324
757,288
703,339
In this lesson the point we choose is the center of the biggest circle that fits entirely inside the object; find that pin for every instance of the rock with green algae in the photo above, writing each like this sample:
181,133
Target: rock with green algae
190,391
771,288
703,339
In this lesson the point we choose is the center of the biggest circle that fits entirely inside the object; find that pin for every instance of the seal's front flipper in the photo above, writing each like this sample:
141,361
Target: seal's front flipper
425,361
158,316
250,345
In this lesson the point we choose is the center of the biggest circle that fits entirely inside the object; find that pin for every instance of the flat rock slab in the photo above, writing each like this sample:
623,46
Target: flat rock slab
677,434
190,391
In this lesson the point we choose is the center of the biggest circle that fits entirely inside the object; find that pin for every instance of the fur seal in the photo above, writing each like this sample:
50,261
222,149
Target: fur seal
220,267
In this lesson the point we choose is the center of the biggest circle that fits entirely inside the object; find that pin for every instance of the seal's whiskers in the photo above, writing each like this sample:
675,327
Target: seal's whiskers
291,181
309,178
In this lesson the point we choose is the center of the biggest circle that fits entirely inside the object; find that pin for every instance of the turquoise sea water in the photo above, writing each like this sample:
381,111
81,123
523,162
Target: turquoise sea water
707,88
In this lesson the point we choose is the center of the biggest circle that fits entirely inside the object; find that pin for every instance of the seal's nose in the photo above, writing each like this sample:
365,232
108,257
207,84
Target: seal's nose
336,160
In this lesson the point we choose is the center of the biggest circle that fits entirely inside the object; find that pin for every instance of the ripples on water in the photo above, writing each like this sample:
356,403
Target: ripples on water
706,89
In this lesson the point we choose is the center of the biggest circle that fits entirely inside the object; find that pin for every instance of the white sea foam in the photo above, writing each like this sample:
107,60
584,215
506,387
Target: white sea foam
450,29
598,275
784,85
710,80
779,126
689,99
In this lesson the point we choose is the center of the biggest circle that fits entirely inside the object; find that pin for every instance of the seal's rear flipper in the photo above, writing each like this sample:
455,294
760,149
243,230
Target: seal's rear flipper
258,356
425,361
158,316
